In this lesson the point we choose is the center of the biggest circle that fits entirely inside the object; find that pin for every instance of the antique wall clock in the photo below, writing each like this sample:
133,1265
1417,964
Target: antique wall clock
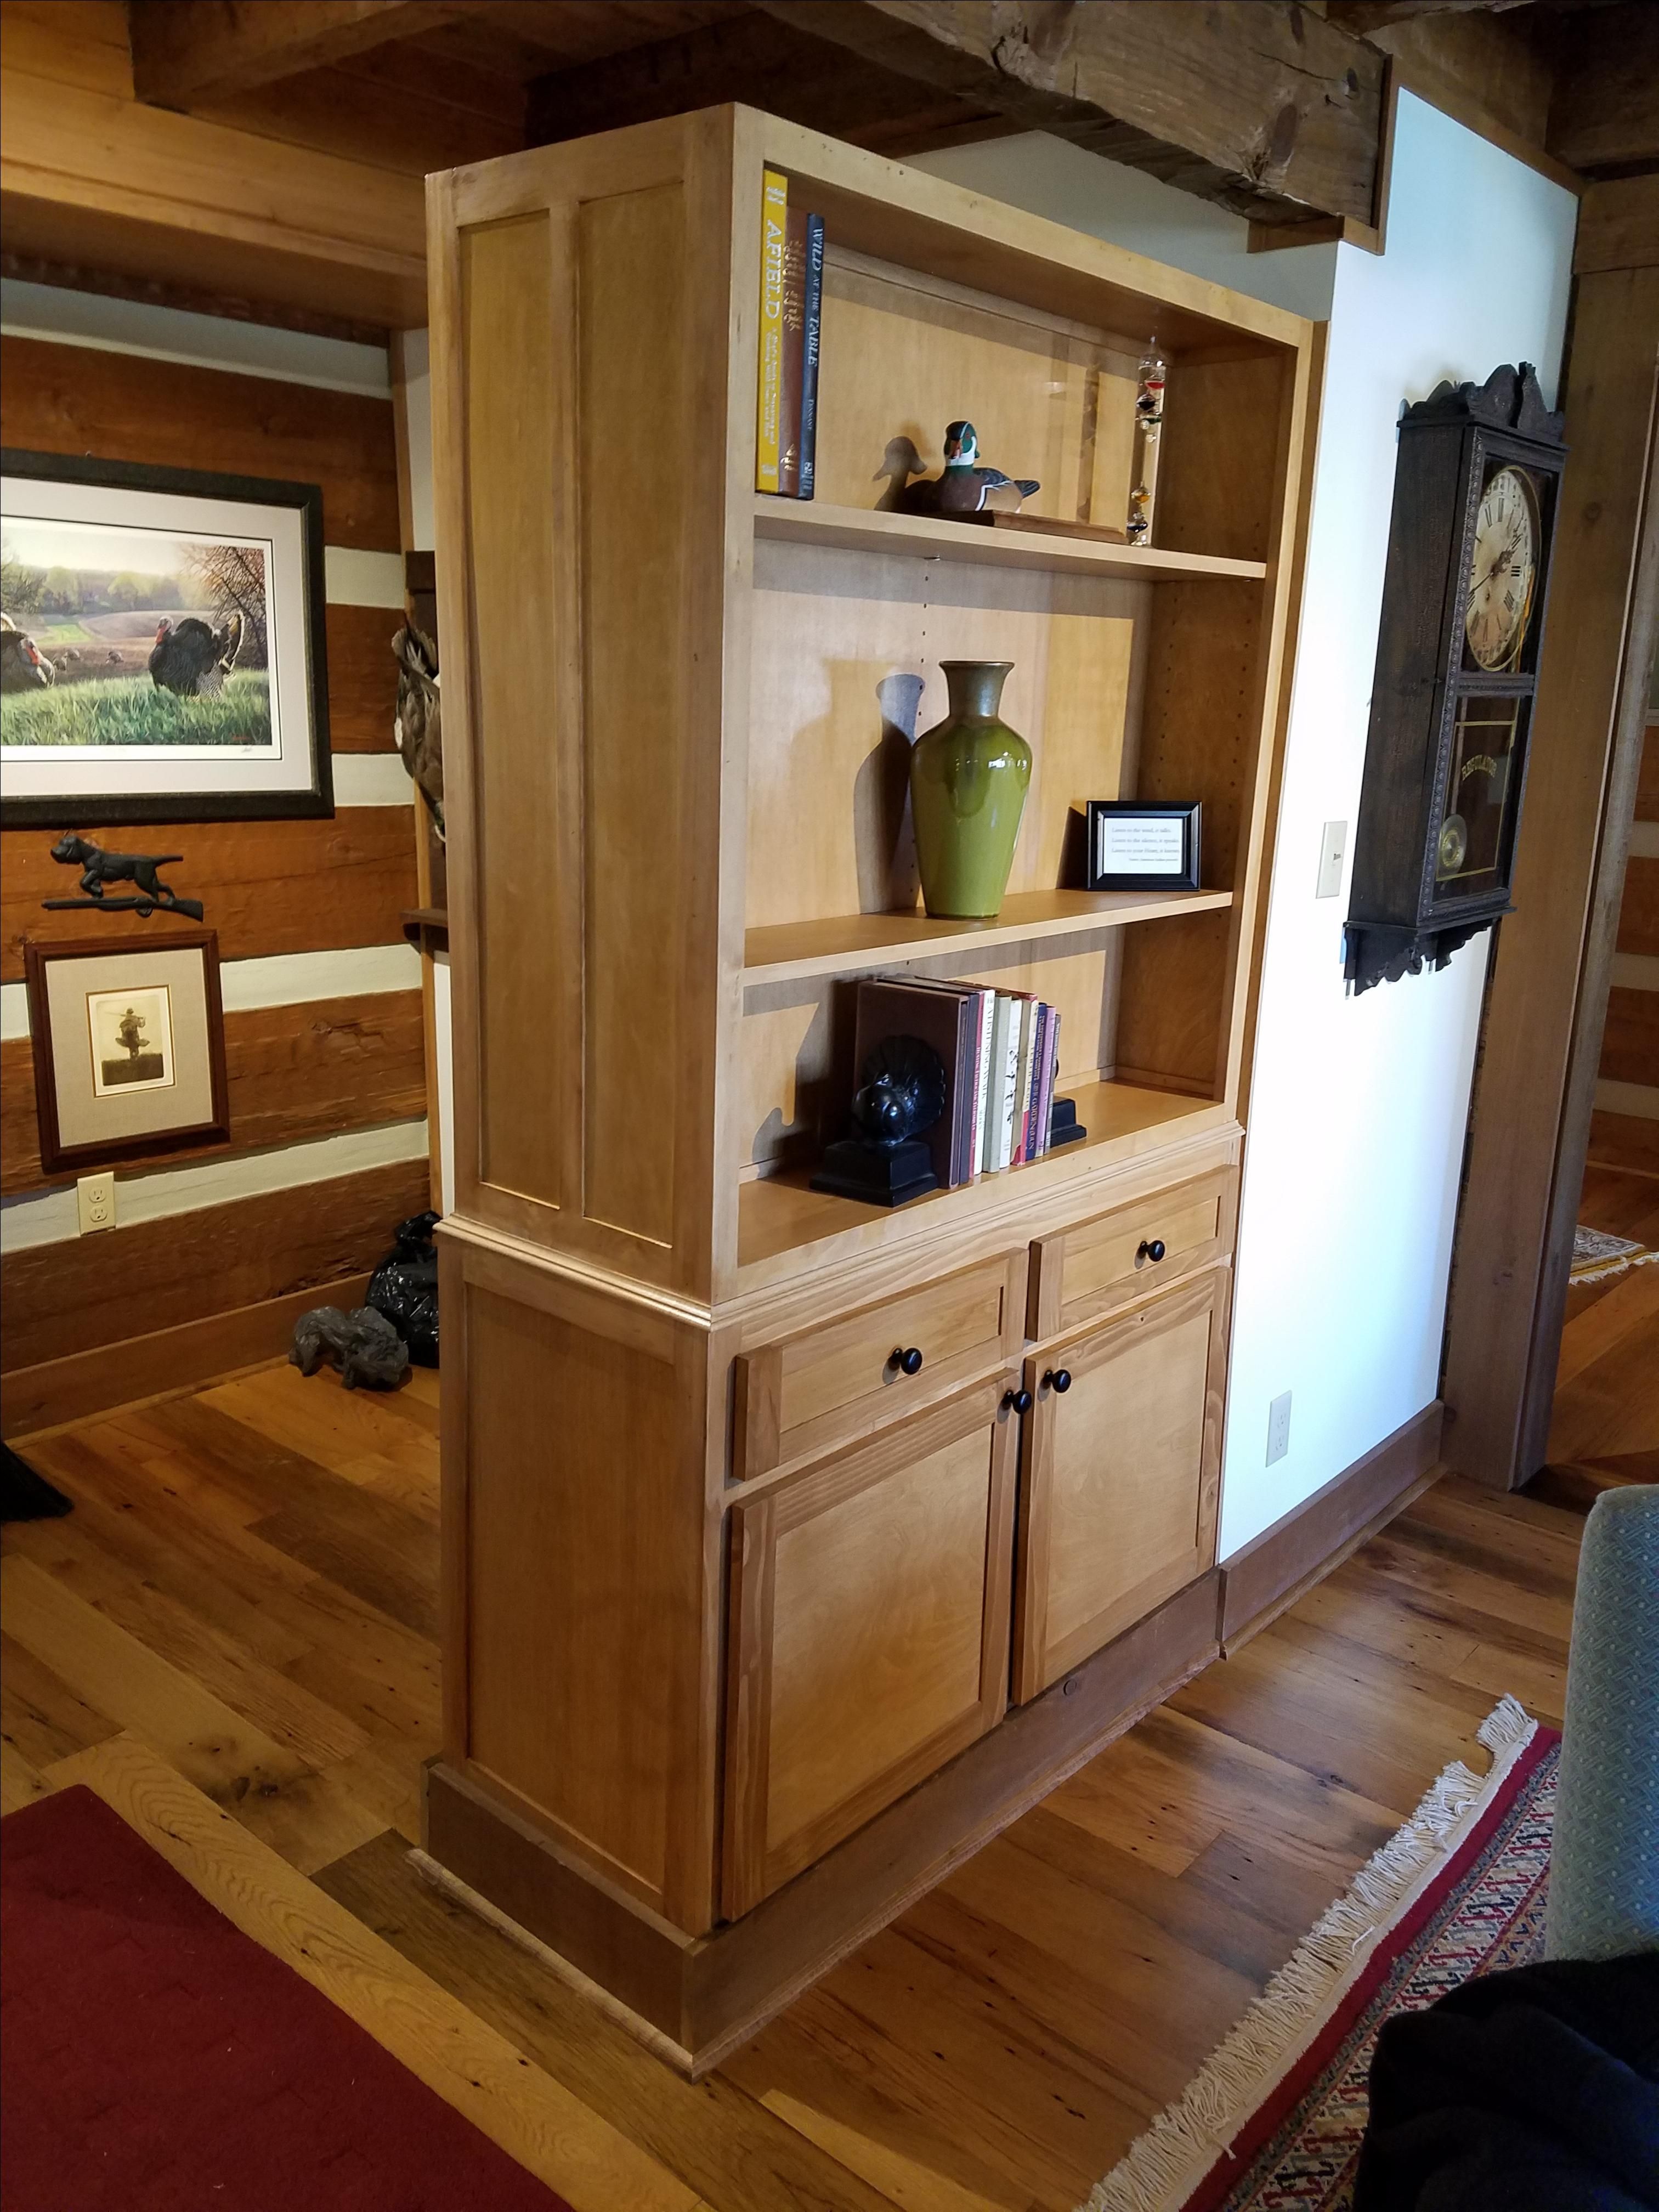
1474,500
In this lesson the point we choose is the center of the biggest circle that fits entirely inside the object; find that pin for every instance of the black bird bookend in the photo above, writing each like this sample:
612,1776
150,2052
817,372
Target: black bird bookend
964,483
901,1097
98,867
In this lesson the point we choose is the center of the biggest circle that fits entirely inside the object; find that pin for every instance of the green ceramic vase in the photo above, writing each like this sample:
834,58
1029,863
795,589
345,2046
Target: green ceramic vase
967,781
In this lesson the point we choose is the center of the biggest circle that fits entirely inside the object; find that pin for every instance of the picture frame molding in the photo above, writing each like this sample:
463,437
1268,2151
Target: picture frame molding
1188,812
118,809
56,1157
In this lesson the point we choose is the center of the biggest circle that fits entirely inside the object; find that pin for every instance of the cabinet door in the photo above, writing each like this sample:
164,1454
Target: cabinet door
1121,1477
868,1640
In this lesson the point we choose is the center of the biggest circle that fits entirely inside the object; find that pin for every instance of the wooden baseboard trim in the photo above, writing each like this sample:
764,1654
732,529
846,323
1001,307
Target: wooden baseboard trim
1302,1547
704,1995
142,1369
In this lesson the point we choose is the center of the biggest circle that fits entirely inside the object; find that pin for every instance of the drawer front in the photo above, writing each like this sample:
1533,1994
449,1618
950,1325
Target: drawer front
826,1385
1084,1270
868,1632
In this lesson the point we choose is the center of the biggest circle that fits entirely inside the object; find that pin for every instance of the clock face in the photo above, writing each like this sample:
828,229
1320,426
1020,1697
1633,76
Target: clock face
1503,570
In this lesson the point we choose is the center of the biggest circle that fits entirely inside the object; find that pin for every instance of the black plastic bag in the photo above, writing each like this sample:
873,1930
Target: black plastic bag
405,1288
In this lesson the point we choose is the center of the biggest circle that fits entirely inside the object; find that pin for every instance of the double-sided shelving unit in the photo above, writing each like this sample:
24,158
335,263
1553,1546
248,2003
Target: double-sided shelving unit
736,1610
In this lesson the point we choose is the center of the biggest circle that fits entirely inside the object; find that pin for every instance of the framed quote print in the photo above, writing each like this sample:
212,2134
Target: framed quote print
163,655
128,1048
1143,845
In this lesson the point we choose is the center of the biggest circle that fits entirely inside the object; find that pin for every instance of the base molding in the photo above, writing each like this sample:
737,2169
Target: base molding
705,1995
165,1361
1303,1545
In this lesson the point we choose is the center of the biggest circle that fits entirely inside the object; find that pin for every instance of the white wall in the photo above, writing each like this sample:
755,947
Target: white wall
1359,1106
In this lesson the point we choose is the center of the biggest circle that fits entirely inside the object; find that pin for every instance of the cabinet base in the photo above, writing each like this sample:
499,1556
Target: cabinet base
702,1996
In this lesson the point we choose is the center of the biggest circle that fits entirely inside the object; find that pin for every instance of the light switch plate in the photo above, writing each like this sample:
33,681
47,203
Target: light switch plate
1332,851
1278,1427
95,1201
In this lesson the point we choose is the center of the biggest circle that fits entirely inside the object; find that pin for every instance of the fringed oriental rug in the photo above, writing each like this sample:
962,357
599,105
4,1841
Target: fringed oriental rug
1273,2121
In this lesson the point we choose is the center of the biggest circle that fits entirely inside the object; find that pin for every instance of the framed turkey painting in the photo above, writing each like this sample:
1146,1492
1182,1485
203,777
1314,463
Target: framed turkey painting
161,645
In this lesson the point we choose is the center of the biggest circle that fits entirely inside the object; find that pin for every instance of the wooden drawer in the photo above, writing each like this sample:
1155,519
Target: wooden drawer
1084,1270
1121,1475
867,1639
829,1383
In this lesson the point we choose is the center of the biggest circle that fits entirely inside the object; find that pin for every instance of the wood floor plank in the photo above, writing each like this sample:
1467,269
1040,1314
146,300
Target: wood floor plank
20,1784
532,2117
710,2133
40,1715
197,1733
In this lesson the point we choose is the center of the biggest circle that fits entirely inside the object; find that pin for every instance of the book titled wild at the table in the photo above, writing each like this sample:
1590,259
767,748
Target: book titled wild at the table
791,322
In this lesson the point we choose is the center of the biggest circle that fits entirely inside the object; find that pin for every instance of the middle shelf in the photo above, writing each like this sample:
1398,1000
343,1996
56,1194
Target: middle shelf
845,944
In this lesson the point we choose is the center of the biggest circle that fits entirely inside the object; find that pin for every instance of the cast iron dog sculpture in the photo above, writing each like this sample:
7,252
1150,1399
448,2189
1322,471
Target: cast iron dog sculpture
98,867
369,1348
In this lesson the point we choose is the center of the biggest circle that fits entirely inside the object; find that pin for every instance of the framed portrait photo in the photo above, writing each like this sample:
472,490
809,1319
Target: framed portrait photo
128,1048
163,655
1143,845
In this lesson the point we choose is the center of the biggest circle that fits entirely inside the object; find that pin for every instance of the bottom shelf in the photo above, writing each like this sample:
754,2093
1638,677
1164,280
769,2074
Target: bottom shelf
779,1214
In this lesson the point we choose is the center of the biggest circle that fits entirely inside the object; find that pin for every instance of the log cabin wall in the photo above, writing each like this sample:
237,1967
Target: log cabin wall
1625,1127
215,1252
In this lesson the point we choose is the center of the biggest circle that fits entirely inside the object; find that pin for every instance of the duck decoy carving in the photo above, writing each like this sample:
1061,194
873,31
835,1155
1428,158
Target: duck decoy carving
961,485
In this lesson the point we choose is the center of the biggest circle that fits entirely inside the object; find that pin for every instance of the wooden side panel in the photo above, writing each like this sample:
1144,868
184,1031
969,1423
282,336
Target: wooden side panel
1121,1479
635,427
582,1560
869,1634
511,333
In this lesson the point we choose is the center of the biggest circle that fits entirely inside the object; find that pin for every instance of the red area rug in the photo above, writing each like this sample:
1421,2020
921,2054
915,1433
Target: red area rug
158,2060
1273,2120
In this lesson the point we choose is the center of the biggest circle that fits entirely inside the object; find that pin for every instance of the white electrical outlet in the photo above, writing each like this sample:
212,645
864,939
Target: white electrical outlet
1278,1427
95,1199
1333,848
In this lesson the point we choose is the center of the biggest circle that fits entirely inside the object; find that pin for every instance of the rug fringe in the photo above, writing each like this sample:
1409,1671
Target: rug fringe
1186,2139
1619,1265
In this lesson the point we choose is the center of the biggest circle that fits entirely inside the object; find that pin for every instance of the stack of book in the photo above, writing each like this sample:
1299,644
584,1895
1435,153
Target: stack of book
791,319
1000,1051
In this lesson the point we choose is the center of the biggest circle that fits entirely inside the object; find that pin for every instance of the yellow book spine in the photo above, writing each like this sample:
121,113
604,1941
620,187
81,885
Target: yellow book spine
774,216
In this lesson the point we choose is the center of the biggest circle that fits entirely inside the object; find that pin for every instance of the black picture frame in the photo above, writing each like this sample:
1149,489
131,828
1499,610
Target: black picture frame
83,808
1183,877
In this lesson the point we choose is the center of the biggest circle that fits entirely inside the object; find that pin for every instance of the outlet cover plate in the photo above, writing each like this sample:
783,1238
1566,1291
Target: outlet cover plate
1278,1427
1333,849
95,1201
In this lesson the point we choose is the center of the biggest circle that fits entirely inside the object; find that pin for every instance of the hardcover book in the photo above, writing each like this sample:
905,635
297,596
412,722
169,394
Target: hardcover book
947,1019
811,335
794,354
774,219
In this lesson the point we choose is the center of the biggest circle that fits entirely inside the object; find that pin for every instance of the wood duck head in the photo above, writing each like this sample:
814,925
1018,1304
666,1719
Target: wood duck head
961,446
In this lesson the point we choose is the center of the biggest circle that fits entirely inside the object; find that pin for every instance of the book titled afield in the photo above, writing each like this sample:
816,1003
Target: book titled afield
791,319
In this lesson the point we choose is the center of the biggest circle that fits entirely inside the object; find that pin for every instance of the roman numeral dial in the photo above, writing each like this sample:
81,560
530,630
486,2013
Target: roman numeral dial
1503,570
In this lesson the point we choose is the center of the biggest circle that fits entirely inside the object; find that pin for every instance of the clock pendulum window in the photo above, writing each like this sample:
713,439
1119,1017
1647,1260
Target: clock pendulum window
1457,656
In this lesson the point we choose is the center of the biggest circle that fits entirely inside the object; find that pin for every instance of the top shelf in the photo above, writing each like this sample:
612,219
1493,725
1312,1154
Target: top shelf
858,529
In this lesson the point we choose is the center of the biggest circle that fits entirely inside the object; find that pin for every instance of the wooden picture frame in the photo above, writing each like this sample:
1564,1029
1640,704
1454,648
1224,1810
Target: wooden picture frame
1121,831
165,652
91,1112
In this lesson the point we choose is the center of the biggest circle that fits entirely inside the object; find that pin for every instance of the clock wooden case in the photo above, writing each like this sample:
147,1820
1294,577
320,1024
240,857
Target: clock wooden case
1463,600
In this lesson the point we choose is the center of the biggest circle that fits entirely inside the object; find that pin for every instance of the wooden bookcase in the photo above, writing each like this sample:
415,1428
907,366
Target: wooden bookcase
748,1634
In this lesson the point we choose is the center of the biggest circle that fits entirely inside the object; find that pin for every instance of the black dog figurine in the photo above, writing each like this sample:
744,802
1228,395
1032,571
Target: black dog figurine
98,867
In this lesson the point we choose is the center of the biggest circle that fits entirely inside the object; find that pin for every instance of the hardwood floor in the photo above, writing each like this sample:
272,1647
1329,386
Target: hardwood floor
240,1610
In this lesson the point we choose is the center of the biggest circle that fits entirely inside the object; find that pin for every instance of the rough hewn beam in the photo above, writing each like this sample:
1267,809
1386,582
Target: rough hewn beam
1258,104
1360,16
185,50
1604,114
768,62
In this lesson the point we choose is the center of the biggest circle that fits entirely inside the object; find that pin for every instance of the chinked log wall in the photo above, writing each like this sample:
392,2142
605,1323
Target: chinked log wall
323,1038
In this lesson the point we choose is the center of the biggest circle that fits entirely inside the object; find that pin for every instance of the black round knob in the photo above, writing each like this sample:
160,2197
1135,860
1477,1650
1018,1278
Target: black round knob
1058,1378
907,1358
1154,1249
1018,1400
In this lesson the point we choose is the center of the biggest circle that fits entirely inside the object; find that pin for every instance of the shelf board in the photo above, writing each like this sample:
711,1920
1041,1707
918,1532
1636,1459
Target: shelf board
849,942
779,1214
812,522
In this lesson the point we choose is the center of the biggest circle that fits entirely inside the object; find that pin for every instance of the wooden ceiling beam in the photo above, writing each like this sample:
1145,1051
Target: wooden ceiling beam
1261,104
767,62
189,50
1604,110
1364,16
